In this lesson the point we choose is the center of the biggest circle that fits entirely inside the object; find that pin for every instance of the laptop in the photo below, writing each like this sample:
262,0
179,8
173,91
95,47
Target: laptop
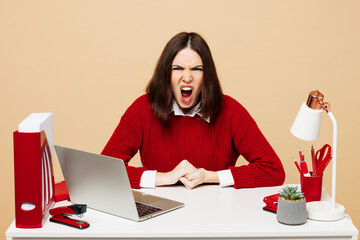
102,183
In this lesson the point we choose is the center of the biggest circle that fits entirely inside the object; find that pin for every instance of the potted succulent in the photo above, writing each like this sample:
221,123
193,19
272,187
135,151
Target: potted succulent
291,208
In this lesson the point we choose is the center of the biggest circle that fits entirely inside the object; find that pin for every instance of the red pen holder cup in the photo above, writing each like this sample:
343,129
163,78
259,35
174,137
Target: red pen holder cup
311,187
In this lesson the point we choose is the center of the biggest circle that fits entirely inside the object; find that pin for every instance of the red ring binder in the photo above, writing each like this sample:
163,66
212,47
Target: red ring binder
34,179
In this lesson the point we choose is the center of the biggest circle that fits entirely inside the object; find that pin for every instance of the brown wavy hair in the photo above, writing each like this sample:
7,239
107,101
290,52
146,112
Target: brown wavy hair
159,88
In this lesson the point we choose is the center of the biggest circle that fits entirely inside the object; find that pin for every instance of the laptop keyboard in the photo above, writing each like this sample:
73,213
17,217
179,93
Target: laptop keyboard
144,210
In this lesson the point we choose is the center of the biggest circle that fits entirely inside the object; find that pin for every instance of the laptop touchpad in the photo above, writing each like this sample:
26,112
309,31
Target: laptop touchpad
144,198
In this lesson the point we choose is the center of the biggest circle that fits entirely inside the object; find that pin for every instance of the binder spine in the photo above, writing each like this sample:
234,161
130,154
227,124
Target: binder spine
34,179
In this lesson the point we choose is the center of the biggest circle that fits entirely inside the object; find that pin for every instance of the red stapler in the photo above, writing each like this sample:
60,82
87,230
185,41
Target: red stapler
271,202
60,215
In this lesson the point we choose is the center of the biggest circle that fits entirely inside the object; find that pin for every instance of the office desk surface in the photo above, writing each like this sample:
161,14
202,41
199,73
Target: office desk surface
209,212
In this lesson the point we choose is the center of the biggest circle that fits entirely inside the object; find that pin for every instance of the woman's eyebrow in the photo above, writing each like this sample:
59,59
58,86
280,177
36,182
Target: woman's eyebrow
197,66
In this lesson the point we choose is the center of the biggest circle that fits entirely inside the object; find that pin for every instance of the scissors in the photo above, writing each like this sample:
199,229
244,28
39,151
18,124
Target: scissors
322,158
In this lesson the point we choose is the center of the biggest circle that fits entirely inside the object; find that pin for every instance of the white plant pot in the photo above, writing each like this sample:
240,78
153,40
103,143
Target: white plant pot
291,212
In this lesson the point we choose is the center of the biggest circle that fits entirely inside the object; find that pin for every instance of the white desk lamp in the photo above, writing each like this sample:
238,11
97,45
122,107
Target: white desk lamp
307,127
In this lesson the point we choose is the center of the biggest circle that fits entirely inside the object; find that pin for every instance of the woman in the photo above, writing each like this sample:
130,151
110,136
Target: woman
188,131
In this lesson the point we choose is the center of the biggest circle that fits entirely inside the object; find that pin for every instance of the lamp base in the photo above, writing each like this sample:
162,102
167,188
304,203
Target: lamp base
322,211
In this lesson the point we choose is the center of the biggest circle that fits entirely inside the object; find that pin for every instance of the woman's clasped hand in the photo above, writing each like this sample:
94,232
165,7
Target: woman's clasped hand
186,173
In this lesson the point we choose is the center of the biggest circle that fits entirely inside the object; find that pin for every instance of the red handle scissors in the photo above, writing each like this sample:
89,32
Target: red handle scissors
322,158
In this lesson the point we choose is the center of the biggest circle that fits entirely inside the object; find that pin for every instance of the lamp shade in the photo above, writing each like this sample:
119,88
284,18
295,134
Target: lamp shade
307,123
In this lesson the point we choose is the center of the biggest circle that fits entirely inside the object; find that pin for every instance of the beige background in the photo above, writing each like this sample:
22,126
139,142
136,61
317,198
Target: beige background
87,61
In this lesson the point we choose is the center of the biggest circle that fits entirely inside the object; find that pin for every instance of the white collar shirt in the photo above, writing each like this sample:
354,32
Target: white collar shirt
195,110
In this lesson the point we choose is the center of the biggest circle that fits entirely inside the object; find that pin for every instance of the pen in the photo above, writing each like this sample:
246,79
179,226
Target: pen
304,169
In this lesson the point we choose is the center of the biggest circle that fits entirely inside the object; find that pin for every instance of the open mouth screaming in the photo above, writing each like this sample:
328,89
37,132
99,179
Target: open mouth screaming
186,94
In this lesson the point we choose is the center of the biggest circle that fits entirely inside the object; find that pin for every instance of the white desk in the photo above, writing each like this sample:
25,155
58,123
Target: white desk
236,214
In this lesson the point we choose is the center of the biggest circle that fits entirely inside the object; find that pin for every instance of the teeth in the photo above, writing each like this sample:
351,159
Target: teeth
187,89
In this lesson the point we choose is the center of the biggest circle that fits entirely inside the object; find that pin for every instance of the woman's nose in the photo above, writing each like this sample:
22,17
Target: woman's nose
187,76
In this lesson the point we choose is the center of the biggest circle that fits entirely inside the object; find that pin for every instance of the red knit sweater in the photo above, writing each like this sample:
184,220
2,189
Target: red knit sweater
213,146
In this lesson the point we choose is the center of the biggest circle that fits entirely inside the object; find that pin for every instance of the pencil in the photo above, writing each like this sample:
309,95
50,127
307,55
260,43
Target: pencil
301,154
314,165
297,166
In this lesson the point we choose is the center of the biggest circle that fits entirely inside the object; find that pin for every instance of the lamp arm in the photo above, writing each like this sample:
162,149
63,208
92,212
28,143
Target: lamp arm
334,152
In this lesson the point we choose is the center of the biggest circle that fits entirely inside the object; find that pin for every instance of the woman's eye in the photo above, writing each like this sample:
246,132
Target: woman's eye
197,69
176,68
